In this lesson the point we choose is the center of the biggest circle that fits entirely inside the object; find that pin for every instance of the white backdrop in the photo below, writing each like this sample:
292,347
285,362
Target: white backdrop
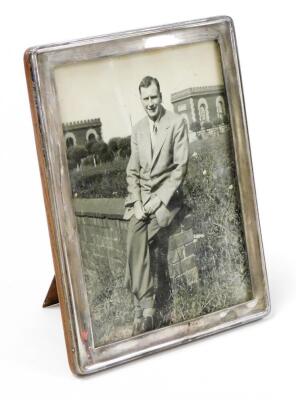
256,361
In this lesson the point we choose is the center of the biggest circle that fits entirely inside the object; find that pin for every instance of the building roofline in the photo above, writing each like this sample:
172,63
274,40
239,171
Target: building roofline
196,91
86,123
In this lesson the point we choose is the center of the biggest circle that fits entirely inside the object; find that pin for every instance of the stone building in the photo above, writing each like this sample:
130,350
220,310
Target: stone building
203,104
78,133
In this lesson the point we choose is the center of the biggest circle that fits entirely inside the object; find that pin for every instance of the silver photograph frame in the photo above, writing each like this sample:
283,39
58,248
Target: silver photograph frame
84,357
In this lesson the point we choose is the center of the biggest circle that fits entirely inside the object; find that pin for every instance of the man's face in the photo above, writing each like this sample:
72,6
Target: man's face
151,100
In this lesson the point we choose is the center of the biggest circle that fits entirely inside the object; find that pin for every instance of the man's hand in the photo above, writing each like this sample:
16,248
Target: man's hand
153,204
139,211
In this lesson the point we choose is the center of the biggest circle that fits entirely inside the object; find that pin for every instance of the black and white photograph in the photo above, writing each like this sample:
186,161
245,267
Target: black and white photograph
154,185
147,200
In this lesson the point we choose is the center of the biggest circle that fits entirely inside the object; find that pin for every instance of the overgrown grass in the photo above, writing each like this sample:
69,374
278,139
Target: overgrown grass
211,193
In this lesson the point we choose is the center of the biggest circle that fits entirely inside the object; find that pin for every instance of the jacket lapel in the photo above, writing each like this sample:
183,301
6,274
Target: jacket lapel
147,140
162,131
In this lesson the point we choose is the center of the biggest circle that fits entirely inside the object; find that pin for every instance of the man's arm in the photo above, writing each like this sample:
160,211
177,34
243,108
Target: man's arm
133,174
133,180
180,156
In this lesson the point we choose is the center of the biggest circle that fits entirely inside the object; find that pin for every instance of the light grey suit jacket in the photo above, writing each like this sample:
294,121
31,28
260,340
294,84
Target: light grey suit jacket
162,173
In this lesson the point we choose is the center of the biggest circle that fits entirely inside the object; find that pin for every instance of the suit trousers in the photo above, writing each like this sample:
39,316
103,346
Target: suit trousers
139,275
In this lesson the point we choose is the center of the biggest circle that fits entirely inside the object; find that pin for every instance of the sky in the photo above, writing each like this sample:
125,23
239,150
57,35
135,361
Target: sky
108,88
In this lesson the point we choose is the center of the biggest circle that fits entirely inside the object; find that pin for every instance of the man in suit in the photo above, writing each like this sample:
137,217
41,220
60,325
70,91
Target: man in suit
156,169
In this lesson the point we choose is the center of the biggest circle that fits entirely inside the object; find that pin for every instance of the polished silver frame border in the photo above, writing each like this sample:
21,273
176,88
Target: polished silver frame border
43,61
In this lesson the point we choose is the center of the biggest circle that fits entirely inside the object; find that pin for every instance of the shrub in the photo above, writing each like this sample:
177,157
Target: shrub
125,147
195,126
101,152
217,121
207,125
105,180
114,145
225,119
75,155
89,145
106,155
88,161
98,148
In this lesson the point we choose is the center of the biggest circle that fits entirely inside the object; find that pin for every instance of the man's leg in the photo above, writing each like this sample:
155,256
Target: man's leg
139,274
149,308
138,259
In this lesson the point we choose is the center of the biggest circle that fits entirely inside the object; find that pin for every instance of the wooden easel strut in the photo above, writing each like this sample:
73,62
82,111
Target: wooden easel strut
52,295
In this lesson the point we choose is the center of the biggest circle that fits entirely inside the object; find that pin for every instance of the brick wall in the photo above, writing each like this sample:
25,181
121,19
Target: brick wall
103,246
181,255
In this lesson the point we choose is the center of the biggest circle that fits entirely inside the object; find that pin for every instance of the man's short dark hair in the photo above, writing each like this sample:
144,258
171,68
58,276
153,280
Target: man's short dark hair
147,81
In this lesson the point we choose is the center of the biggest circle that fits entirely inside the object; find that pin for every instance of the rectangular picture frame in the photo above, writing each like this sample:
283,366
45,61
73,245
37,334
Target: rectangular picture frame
85,355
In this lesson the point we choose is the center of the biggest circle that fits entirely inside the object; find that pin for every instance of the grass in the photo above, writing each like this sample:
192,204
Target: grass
211,193
211,190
